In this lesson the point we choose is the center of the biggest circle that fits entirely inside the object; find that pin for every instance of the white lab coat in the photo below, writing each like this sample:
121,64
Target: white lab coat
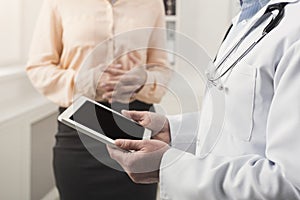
256,155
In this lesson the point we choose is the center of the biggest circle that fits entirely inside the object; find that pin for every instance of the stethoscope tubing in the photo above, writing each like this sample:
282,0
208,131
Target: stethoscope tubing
273,23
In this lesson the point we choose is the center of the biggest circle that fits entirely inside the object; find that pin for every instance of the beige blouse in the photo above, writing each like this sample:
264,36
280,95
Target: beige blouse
67,31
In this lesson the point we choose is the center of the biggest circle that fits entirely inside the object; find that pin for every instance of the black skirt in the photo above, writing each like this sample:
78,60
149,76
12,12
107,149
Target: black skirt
80,175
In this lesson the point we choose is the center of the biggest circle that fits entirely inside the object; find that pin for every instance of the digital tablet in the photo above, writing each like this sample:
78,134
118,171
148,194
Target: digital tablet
101,123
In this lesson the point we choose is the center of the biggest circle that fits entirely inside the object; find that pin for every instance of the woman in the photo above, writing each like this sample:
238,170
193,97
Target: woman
67,31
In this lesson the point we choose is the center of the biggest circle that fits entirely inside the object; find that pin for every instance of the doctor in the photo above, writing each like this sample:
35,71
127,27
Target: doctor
255,153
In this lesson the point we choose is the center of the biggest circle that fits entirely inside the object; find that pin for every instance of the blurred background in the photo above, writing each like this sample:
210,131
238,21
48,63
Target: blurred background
25,153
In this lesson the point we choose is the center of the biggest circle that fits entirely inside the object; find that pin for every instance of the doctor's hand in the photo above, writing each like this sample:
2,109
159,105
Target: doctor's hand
158,124
142,164
123,85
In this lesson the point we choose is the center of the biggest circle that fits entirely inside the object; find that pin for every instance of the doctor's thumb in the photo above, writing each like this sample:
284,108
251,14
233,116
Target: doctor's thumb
137,116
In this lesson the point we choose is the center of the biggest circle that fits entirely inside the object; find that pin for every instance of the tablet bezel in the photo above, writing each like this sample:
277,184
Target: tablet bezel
66,115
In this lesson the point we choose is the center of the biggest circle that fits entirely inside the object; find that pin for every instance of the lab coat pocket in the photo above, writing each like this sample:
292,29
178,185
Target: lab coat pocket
240,94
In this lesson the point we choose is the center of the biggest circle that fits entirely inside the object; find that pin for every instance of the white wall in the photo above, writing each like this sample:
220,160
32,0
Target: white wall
10,20
17,21
206,21
21,106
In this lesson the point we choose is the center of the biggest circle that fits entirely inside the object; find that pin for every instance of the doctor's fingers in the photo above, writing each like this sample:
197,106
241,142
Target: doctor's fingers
141,148
153,121
126,159
119,156
142,117
146,157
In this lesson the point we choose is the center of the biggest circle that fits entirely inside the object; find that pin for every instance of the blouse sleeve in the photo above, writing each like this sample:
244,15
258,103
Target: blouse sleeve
43,67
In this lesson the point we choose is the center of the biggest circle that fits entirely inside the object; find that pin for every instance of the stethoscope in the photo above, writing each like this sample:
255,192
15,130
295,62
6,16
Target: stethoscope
212,77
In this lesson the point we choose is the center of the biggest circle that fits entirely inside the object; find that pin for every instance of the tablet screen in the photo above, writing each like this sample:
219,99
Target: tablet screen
106,122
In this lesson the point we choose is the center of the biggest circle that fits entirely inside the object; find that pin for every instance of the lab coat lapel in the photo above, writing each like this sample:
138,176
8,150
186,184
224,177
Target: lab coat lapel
233,43
251,22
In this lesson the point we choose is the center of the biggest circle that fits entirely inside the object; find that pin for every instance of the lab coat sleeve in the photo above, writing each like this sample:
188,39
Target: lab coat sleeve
273,176
43,68
158,69
184,129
